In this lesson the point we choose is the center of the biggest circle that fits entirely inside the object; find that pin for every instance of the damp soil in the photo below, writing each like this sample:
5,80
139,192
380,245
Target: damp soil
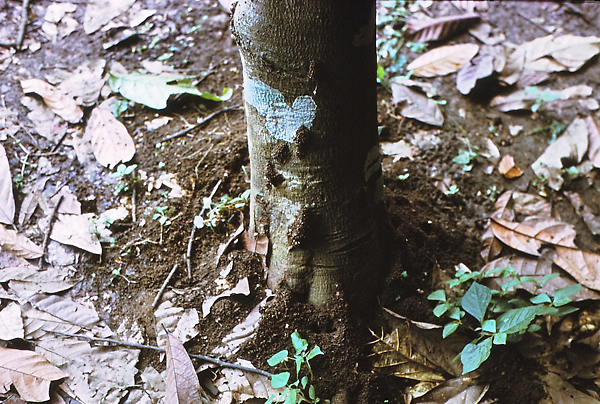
428,232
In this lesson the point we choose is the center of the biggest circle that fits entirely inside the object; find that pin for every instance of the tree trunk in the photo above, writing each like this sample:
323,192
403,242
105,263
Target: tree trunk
310,94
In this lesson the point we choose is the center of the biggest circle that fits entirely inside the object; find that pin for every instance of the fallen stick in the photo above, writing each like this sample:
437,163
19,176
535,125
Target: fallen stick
154,348
22,25
49,230
164,286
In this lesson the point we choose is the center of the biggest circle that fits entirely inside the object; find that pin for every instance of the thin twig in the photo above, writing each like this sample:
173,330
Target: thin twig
22,25
196,126
188,257
49,230
154,348
133,200
538,26
164,286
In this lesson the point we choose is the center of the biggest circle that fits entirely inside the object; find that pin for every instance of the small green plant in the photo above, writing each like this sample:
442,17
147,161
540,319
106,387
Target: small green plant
126,181
542,96
220,212
302,388
162,215
496,316
466,157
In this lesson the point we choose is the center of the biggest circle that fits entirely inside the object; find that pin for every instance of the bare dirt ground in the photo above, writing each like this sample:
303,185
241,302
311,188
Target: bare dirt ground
438,210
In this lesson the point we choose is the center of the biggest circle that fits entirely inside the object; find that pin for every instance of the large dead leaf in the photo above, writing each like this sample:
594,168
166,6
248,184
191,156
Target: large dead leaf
11,323
47,123
590,218
18,244
182,323
29,372
439,28
418,106
84,84
400,150
7,200
567,52
60,103
562,392
78,231
529,235
30,279
444,60
480,67
581,265
461,390
100,12
567,150
183,386
111,143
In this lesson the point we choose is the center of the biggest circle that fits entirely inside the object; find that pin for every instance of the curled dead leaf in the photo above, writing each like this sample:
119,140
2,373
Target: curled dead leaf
508,168
439,28
60,103
444,60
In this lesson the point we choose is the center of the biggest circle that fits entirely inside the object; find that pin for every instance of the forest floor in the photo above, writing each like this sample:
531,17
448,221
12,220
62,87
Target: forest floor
444,180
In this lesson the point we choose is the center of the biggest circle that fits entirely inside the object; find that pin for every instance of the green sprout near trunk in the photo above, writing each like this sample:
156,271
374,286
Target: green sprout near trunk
496,316
302,388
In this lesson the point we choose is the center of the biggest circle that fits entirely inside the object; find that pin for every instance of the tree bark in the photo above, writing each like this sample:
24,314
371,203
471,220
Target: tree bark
310,93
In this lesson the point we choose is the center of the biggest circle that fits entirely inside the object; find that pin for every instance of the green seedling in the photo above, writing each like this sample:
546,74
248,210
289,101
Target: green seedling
126,180
162,215
466,158
496,316
302,388
542,97
213,214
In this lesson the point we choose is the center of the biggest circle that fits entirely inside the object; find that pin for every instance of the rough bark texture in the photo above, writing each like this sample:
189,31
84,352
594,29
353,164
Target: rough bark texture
310,93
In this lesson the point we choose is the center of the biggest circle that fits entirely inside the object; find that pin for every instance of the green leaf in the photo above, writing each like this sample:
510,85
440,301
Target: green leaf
499,339
438,295
154,91
510,285
314,352
271,399
304,382
548,278
455,313
516,320
562,294
440,309
473,355
489,326
539,299
299,361
300,344
556,311
311,392
476,300
278,358
280,380
292,397
450,328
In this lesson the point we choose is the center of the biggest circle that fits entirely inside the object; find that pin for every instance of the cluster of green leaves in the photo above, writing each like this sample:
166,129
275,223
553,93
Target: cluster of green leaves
162,215
392,41
466,157
126,180
496,316
301,389
222,211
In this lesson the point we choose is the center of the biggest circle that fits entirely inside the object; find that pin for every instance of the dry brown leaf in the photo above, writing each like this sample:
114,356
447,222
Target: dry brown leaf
508,168
78,231
581,265
591,219
400,150
84,83
461,390
594,141
492,247
567,52
111,143
100,12
418,106
29,372
183,386
61,104
480,67
439,28
18,244
11,323
444,60
562,392
7,200
529,235
486,34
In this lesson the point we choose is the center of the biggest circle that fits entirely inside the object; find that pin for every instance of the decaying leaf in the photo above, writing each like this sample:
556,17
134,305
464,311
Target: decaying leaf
418,106
78,231
28,279
439,28
594,141
18,244
563,392
461,390
590,218
581,265
478,68
180,322
11,323
239,386
100,12
83,84
111,143
241,288
486,34
29,372
444,60
183,386
60,103
7,200
154,91
567,150
400,150
47,123
508,168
